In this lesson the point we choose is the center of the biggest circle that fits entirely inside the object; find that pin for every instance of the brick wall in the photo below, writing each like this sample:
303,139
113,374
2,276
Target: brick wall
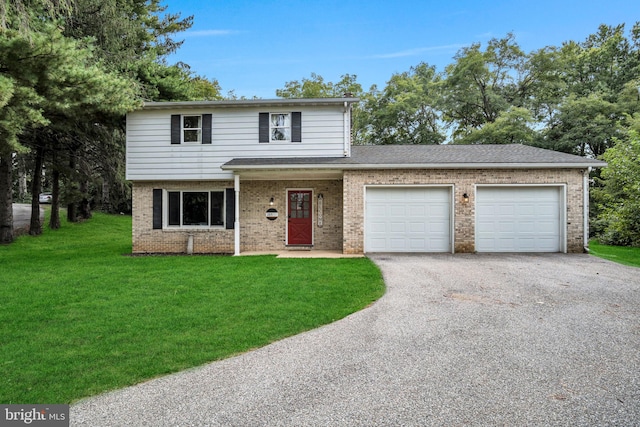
257,233
463,181
147,240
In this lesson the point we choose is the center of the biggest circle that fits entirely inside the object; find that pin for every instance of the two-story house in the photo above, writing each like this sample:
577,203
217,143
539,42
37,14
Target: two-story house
268,175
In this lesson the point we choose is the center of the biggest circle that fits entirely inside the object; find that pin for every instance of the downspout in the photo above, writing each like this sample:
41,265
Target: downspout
236,222
347,129
585,203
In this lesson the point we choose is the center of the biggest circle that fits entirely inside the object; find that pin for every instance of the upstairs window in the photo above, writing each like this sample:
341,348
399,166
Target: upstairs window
280,127
191,128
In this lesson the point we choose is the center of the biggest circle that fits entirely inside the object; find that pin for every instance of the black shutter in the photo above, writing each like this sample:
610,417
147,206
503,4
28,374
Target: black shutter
263,127
175,128
230,208
206,128
157,209
296,127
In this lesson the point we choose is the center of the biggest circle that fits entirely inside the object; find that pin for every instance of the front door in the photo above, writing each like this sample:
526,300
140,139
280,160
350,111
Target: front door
300,220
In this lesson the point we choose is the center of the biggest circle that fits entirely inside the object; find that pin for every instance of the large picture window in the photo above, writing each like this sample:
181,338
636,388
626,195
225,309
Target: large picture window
195,208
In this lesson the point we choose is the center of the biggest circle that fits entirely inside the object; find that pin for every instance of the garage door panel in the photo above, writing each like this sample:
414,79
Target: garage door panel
378,226
518,219
397,227
377,210
417,227
417,219
397,210
416,211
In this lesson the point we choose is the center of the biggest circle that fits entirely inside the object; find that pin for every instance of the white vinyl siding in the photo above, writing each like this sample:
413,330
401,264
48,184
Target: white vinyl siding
151,156
519,219
408,219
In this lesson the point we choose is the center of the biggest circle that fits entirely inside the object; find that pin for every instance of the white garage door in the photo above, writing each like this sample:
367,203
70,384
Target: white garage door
408,219
518,219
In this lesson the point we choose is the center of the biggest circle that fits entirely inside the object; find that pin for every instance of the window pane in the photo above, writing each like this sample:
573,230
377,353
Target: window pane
195,208
217,205
190,122
280,134
192,135
279,120
174,208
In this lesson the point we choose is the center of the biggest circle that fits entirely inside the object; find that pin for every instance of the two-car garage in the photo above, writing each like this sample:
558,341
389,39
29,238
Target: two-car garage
507,218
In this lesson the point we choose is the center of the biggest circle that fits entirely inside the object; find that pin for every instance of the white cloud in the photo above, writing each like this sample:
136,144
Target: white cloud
416,51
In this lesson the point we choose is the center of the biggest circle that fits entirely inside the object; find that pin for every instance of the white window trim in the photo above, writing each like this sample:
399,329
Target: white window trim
165,210
183,129
271,127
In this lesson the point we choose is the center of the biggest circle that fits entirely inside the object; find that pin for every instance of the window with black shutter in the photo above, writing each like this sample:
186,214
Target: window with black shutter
191,128
280,127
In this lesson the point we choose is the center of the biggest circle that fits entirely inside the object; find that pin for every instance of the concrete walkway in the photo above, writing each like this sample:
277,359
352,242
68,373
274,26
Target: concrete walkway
304,254
457,340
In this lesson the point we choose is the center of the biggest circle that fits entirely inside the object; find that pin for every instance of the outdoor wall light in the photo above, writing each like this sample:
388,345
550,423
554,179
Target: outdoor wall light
465,198
271,201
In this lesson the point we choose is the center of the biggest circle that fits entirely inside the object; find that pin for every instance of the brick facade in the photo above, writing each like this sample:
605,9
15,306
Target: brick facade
463,181
257,233
148,240
343,209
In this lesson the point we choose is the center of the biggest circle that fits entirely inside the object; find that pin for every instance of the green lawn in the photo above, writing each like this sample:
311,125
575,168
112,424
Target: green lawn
620,254
79,317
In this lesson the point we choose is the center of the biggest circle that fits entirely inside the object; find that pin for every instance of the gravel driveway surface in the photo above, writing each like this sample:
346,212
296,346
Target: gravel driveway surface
456,340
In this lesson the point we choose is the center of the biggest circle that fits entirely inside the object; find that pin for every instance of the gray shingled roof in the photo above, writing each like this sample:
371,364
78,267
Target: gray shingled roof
426,156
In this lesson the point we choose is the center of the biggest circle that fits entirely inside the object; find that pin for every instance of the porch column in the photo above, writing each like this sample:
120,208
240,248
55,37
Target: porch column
236,223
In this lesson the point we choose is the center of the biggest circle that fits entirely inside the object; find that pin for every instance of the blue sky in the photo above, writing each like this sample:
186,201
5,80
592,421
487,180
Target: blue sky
255,47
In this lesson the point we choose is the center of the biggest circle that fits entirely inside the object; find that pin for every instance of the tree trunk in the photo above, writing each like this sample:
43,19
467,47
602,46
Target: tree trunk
71,206
6,200
54,220
84,207
106,197
35,228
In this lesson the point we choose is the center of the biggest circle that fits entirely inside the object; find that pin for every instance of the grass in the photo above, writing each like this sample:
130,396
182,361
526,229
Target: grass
620,254
78,318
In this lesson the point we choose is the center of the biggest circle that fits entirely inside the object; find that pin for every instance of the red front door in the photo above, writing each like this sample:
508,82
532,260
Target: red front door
300,218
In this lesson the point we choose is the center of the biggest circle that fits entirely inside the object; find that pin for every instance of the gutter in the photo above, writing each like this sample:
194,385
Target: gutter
248,103
356,166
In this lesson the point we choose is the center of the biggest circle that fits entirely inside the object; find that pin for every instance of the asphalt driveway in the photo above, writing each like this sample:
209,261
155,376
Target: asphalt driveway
456,340
22,216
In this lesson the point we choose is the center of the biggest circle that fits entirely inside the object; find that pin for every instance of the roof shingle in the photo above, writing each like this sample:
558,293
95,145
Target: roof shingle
428,156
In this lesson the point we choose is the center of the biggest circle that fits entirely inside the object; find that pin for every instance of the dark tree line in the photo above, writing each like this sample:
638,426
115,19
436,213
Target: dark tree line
69,72
581,98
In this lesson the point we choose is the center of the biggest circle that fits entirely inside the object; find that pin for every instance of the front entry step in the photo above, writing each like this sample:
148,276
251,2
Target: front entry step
299,247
